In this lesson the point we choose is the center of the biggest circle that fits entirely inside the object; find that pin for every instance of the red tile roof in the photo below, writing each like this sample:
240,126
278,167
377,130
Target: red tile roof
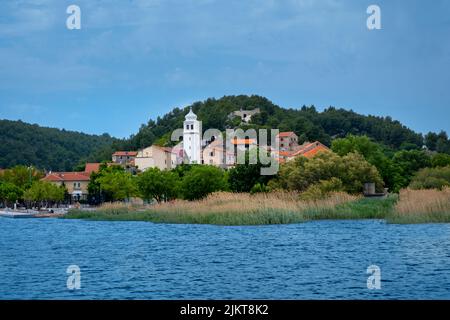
286,134
92,167
311,153
125,153
309,150
243,141
66,176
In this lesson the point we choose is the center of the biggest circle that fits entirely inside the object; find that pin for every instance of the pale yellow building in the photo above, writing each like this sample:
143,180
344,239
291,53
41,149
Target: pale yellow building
76,183
215,154
154,157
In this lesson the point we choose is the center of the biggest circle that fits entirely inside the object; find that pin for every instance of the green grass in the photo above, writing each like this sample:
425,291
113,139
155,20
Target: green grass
434,217
365,208
359,209
231,219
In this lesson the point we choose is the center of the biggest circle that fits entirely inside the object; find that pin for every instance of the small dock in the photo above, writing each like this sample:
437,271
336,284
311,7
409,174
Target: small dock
31,213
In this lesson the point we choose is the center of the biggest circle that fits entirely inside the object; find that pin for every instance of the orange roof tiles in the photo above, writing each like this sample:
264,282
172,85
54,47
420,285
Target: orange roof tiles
66,176
243,141
286,134
125,153
311,153
92,167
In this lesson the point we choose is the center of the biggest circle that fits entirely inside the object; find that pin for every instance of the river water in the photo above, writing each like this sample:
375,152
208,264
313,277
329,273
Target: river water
141,260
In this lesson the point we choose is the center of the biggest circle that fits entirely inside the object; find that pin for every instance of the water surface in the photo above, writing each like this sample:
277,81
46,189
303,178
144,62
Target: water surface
141,260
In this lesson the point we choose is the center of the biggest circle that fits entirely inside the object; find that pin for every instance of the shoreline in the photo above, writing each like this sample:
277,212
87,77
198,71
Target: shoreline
209,212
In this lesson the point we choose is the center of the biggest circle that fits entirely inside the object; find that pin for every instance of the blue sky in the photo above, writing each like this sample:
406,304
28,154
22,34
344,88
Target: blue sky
136,59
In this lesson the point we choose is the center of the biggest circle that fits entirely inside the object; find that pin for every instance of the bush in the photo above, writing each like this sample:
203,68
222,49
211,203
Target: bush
258,188
352,170
440,160
431,178
322,189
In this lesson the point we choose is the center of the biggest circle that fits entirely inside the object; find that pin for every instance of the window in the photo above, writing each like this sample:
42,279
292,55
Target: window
211,153
210,161
192,127
187,127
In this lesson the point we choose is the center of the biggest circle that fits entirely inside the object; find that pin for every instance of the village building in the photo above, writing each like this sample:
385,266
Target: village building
92,167
307,149
124,157
194,150
192,130
76,183
287,141
155,157
215,154
245,115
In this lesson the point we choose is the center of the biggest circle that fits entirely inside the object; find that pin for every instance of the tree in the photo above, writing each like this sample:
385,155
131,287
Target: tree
96,193
440,160
374,153
120,184
21,176
203,180
159,185
431,178
9,193
408,162
243,177
44,192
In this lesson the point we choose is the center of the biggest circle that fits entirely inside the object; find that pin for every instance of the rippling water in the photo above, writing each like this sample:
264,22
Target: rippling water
140,260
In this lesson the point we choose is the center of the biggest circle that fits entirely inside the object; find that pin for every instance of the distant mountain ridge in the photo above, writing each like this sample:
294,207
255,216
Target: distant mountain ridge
47,148
55,149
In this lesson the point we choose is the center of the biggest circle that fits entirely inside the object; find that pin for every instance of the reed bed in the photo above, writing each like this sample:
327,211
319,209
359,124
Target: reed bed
224,208
422,206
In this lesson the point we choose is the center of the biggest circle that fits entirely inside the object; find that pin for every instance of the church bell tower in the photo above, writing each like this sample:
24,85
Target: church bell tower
191,138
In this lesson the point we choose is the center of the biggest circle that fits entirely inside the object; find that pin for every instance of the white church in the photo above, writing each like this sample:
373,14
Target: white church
196,150
192,145
192,150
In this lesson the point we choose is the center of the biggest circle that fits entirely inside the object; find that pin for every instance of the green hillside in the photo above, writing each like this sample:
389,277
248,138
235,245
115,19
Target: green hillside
306,122
54,149
47,148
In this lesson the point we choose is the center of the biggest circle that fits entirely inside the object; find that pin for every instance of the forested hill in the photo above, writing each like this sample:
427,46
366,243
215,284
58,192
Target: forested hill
306,122
47,148
55,149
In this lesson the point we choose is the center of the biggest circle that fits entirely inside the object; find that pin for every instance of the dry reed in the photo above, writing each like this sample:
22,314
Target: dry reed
423,201
225,202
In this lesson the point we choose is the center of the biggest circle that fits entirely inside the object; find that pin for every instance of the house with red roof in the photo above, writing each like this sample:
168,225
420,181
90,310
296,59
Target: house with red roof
287,141
124,157
76,183
308,150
